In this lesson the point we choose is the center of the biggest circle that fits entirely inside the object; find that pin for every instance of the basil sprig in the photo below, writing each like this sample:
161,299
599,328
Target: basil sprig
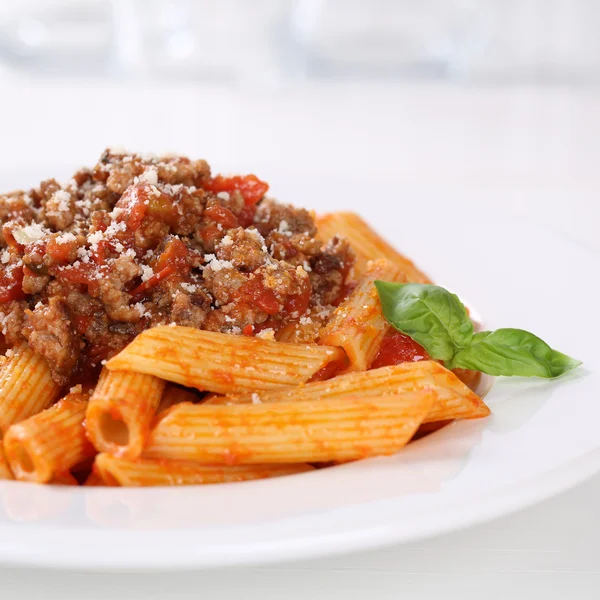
438,320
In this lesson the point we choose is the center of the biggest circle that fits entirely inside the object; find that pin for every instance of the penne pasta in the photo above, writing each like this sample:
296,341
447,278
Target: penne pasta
453,399
367,244
174,394
64,479
340,429
297,333
26,386
94,479
358,325
118,471
51,442
5,472
221,363
120,411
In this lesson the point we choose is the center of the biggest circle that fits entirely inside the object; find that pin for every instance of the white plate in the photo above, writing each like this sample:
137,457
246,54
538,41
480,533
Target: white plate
542,438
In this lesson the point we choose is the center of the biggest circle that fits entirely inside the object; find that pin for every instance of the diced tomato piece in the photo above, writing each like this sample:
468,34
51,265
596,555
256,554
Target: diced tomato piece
9,238
60,253
210,234
11,288
82,274
135,201
299,302
397,348
250,186
221,215
246,217
175,254
173,260
152,281
256,294
248,329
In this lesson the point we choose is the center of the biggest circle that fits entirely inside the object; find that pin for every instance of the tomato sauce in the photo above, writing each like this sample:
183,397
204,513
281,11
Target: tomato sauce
397,348
256,294
11,284
250,186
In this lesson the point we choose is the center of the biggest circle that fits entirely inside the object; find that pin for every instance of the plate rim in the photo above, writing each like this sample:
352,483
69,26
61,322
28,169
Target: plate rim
490,507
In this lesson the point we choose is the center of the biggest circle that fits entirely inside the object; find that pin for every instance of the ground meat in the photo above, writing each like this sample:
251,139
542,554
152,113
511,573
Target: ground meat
244,248
34,283
119,170
18,207
223,284
184,312
330,269
272,216
50,333
141,241
110,292
12,319
60,210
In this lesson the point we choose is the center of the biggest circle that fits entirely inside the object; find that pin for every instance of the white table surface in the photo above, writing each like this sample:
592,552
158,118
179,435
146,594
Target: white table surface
533,152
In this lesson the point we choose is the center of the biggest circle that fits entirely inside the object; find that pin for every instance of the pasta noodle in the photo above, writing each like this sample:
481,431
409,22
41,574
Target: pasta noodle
26,386
367,244
269,366
113,470
50,442
453,399
358,325
64,479
343,428
5,472
174,395
221,363
120,411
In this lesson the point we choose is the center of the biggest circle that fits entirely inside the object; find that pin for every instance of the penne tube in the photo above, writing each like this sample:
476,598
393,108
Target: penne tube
5,472
298,333
94,479
174,394
358,325
220,362
26,386
367,244
340,429
120,411
453,399
64,479
146,472
51,442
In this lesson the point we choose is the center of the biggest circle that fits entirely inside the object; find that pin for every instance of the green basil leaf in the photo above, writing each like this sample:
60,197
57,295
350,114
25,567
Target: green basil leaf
513,352
429,314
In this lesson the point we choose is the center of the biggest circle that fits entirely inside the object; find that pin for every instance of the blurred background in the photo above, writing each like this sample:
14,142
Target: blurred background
274,41
479,100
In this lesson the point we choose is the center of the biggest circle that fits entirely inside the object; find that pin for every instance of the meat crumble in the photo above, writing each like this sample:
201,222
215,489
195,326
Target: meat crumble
142,241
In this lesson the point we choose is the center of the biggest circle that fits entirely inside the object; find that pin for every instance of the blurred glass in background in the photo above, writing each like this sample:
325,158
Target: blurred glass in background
243,41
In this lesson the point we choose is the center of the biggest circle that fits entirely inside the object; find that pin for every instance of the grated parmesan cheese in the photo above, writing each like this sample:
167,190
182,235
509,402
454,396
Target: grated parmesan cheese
150,175
147,272
189,287
266,334
63,199
215,264
30,233
65,238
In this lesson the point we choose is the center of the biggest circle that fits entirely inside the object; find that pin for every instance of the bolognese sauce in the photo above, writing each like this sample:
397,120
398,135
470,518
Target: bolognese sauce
140,241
